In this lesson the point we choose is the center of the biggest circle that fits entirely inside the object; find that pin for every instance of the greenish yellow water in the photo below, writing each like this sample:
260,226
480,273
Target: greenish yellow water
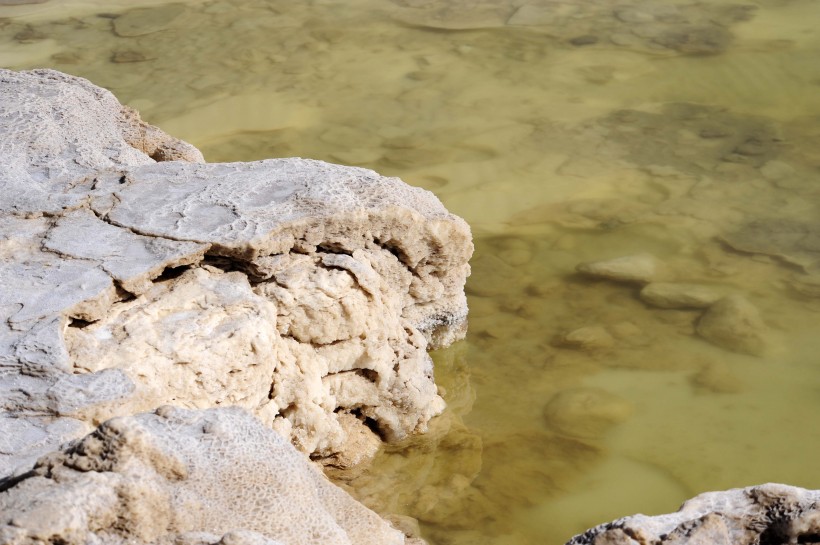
563,132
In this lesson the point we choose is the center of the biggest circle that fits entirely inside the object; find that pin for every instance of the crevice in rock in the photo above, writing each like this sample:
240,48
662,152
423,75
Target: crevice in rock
776,533
370,423
13,480
332,248
171,273
79,323
103,216
225,264
123,294
367,374
393,247
315,344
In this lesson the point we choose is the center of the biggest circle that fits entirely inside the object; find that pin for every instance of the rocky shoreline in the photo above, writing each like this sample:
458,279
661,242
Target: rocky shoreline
300,296
136,276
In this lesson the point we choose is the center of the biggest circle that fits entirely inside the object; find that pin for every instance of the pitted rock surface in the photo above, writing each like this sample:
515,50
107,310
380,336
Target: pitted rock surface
182,476
769,513
135,276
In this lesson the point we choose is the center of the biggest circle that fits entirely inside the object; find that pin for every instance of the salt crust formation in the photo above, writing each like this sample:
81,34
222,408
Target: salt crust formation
179,476
135,275
770,513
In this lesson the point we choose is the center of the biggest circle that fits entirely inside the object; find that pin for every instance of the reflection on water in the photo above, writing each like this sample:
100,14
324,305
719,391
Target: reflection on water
564,132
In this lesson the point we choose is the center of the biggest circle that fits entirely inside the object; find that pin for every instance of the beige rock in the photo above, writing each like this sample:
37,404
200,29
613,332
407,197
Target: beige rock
707,530
626,330
735,324
741,516
587,338
406,525
174,475
585,412
154,142
717,378
615,536
305,292
673,295
641,269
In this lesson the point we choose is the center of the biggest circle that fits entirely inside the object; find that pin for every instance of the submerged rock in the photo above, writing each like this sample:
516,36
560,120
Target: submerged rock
142,21
717,378
706,39
795,242
179,476
640,268
770,513
672,295
694,138
735,324
586,412
587,338
135,276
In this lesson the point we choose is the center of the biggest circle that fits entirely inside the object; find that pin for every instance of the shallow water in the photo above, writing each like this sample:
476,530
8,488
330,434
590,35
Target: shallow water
563,132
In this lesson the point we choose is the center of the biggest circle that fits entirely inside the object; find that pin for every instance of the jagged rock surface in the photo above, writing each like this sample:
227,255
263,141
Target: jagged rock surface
770,513
181,476
134,276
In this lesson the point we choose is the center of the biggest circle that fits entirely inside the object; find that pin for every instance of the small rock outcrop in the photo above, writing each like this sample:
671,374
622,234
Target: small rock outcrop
135,275
180,476
770,513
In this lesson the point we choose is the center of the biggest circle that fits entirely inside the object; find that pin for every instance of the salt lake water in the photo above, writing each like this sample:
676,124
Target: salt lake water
563,132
